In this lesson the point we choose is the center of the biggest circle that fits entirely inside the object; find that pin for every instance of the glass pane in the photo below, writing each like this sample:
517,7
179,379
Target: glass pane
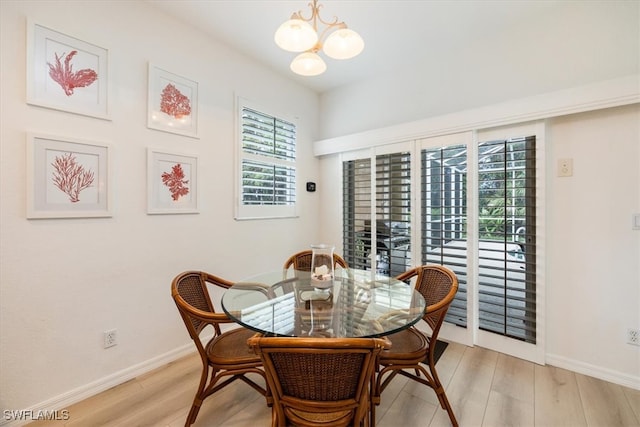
444,218
393,213
265,184
357,213
506,247
267,135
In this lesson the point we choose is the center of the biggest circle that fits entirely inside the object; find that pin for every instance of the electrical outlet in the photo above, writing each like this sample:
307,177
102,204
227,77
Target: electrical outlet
633,336
110,338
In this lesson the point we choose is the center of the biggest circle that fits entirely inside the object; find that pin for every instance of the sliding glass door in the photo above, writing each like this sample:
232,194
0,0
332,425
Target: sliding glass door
467,201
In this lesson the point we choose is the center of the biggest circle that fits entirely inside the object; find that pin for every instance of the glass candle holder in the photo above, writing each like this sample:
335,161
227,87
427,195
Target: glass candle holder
322,270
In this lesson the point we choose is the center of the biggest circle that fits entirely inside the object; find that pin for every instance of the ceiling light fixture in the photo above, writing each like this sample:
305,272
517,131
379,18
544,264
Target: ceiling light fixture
300,34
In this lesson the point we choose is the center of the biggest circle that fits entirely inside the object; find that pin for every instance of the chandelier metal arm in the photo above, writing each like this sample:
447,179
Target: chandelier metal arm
313,20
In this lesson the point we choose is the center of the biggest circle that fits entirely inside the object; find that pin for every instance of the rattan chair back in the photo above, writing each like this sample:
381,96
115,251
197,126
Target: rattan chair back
225,355
438,285
319,381
301,261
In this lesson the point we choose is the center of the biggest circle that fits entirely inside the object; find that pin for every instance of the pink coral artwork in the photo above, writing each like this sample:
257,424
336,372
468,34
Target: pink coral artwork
174,103
66,77
172,183
65,73
67,178
175,181
70,177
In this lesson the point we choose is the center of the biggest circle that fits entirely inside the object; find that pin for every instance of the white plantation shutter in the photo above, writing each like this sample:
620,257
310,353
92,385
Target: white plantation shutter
267,165
507,237
383,212
444,218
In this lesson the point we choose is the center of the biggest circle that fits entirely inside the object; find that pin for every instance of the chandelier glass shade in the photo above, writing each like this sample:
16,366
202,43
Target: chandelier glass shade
296,35
300,34
308,64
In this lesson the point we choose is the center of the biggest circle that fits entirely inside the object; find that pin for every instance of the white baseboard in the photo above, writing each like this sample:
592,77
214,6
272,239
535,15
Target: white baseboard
67,399
594,371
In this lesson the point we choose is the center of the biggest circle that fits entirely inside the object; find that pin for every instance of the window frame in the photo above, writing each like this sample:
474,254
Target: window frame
253,212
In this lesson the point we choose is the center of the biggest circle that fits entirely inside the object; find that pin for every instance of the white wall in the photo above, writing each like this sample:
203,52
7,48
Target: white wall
593,281
571,44
65,281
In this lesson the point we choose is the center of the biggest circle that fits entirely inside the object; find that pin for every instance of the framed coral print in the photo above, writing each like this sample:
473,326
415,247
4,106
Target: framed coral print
66,73
67,178
173,103
172,183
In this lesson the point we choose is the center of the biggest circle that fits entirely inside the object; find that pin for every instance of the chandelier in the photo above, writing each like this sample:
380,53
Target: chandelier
300,34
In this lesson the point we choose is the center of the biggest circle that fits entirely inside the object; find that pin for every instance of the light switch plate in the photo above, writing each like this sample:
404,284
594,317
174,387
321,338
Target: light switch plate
565,167
636,221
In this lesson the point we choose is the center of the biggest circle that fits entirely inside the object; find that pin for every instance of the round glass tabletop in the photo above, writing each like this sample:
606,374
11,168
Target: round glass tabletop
355,303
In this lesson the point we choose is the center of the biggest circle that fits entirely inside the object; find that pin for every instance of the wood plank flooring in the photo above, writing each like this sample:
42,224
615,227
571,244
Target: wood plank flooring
485,388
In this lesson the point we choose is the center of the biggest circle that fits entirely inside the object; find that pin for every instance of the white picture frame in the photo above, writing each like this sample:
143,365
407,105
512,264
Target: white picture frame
65,73
172,104
172,183
67,178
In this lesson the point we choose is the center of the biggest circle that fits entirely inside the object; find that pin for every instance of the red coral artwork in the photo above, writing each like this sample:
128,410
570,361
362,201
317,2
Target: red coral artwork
176,182
70,176
174,103
66,77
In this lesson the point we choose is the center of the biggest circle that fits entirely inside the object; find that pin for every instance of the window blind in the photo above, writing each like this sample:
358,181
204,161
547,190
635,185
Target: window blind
506,228
268,173
381,239
356,197
393,213
444,218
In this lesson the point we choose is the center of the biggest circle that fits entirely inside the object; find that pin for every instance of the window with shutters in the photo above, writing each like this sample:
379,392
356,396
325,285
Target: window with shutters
475,211
507,237
377,221
357,198
506,230
267,165
444,218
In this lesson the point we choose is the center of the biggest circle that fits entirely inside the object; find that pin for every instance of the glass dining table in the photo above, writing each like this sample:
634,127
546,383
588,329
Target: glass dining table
356,303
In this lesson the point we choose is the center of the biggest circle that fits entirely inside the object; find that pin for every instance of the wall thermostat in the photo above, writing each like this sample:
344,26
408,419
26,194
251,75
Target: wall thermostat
311,186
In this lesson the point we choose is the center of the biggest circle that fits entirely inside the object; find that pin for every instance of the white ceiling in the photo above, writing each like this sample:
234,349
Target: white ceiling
398,34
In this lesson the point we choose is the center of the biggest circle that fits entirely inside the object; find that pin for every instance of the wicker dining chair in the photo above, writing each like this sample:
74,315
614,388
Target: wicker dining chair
412,352
319,381
301,261
225,356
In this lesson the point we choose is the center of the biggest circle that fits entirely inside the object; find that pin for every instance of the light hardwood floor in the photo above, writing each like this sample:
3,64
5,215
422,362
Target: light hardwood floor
485,389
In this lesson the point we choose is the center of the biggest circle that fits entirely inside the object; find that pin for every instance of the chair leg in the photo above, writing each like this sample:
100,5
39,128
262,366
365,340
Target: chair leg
442,396
371,413
193,413
430,380
198,398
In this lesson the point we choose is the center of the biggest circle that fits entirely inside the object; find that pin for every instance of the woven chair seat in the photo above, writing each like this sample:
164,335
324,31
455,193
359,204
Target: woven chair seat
407,346
231,348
